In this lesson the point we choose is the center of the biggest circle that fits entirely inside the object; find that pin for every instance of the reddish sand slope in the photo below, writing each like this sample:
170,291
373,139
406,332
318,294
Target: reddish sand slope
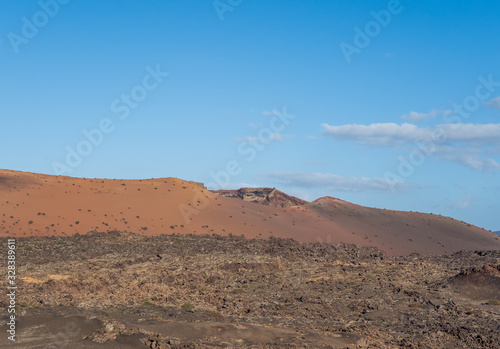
36,204
402,232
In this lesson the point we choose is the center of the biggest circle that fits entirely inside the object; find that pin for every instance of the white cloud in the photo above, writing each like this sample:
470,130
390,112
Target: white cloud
471,157
494,103
466,144
390,134
476,133
419,117
332,181
379,134
477,163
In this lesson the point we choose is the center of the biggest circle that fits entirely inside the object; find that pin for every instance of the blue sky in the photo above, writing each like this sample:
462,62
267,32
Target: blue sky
390,104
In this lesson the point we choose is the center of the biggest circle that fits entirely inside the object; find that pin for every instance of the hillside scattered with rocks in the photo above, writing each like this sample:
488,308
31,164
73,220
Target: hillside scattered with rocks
34,204
263,196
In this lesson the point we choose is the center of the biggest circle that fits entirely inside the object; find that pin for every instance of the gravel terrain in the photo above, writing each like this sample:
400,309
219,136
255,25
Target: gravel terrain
124,290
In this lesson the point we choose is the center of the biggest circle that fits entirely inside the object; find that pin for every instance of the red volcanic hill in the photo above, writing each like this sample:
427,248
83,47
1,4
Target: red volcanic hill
36,204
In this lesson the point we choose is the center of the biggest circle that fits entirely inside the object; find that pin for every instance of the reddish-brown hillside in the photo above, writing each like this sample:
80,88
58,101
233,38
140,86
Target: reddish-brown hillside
37,204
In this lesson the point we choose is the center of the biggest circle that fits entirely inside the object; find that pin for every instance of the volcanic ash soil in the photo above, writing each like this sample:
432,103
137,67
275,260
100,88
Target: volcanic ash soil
122,290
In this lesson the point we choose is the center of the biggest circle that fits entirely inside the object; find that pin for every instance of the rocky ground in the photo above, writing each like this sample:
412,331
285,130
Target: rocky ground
263,196
122,290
